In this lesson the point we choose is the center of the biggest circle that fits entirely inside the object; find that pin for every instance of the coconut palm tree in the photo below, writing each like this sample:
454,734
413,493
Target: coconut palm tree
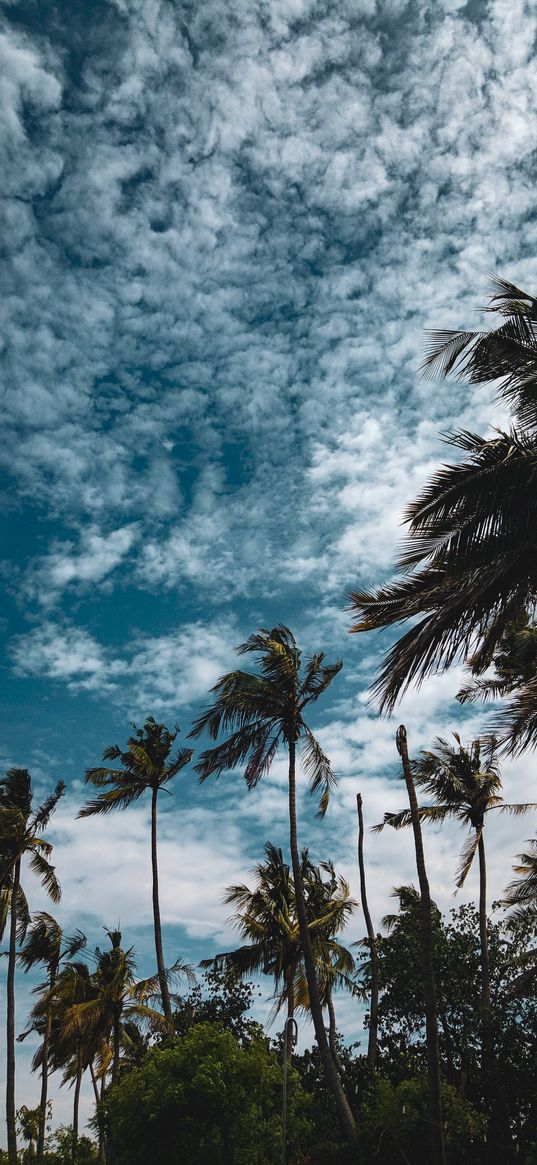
470,559
266,918
260,712
147,764
465,784
74,1043
45,943
329,906
21,827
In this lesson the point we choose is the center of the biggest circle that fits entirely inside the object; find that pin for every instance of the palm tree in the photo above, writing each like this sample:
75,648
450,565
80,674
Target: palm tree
465,784
45,943
20,829
74,1043
470,560
265,917
329,906
146,764
260,712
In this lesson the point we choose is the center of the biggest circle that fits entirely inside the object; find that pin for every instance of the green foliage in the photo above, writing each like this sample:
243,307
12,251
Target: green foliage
457,971
60,1149
224,999
394,1126
205,1100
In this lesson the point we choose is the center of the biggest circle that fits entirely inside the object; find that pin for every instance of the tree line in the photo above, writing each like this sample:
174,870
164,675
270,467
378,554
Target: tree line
468,583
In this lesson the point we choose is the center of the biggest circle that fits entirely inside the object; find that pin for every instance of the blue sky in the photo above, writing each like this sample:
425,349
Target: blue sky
225,228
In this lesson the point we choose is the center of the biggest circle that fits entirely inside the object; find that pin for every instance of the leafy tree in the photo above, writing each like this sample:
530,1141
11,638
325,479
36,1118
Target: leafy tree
395,1120
225,999
456,953
261,711
21,827
469,562
147,764
205,1100
465,784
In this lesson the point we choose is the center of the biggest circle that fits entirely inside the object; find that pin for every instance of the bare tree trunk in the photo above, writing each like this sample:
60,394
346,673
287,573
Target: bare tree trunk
372,1043
98,1098
161,968
10,1026
344,1112
429,990
44,1083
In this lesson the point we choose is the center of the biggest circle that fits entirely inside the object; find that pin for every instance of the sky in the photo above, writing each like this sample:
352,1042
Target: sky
225,227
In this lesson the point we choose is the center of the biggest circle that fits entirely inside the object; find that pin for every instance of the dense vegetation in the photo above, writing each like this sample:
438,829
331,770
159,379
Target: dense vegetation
181,1071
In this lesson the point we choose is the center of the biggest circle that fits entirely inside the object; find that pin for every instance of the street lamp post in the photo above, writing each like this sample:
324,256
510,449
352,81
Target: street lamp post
290,1022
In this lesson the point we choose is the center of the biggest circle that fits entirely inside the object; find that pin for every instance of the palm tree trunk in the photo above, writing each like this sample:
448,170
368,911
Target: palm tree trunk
344,1112
10,1033
44,1082
116,1049
372,1043
98,1098
486,1039
429,989
76,1098
164,990
290,1016
492,1083
332,1032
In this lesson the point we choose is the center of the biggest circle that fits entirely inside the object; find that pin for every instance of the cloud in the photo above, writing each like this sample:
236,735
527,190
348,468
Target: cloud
150,674
98,557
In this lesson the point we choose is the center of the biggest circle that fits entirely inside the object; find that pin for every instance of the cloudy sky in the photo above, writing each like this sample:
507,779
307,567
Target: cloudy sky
225,228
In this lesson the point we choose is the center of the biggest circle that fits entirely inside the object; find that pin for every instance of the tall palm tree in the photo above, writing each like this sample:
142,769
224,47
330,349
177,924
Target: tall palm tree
21,827
465,784
470,559
261,711
147,764
45,943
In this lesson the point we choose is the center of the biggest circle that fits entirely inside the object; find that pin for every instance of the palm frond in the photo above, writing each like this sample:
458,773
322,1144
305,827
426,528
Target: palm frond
466,858
46,874
322,778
